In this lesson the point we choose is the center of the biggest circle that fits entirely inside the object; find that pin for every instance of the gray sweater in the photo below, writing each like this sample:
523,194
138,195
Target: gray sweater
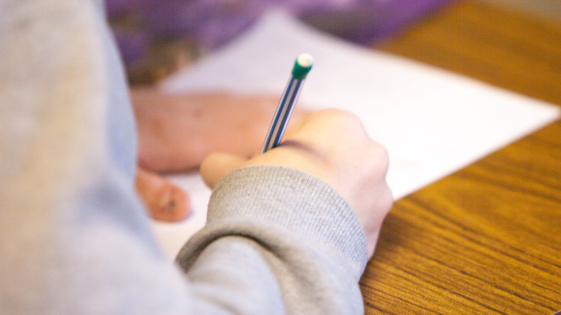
74,237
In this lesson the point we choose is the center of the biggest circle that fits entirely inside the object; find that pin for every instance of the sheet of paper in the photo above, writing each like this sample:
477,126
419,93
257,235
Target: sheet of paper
432,122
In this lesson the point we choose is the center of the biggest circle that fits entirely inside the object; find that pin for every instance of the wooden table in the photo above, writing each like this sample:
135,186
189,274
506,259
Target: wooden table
486,239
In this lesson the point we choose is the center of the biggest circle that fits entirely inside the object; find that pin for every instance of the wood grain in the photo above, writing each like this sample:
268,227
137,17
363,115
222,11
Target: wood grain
486,239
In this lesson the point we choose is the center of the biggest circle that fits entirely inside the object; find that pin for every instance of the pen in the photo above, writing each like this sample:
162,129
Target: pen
302,66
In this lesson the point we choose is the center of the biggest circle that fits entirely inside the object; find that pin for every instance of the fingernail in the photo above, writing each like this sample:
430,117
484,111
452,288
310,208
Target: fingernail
166,202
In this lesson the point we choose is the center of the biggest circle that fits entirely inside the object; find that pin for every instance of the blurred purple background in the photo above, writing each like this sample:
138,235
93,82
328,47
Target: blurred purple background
210,23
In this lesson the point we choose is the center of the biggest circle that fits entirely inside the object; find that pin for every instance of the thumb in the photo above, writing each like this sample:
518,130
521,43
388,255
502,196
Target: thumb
216,165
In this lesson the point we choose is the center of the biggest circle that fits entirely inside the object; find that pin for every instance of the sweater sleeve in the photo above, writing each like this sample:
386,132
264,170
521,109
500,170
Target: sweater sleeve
276,241
74,237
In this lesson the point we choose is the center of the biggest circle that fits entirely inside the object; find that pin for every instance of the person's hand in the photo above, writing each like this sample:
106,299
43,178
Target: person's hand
176,131
334,147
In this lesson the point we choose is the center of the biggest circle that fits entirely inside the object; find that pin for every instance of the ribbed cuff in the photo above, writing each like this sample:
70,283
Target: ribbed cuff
295,201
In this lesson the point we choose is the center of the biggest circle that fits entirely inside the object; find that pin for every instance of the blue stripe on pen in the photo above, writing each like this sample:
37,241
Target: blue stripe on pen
282,115
288,112
276,117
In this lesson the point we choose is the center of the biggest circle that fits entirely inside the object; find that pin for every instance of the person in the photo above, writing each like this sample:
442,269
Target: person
288,232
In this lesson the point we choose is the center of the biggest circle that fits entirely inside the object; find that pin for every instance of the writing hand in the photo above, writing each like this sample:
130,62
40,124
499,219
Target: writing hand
334,147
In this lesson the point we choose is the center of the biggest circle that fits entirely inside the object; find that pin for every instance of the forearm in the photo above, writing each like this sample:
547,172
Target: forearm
277,241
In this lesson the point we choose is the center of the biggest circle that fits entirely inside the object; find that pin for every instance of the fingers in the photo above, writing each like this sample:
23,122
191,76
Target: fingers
177,131
164,200
216,165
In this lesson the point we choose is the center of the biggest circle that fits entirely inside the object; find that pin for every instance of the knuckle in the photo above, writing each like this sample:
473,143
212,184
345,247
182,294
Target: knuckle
387,200
341,117
350,121
341,126
383,156
377,157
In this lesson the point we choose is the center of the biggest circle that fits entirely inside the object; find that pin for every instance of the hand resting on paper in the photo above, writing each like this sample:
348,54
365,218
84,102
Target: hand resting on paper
333,146
177,131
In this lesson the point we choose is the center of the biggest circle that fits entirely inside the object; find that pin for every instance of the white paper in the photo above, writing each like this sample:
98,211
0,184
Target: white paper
432,122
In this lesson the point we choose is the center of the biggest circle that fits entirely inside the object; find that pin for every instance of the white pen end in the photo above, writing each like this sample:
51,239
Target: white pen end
305,60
